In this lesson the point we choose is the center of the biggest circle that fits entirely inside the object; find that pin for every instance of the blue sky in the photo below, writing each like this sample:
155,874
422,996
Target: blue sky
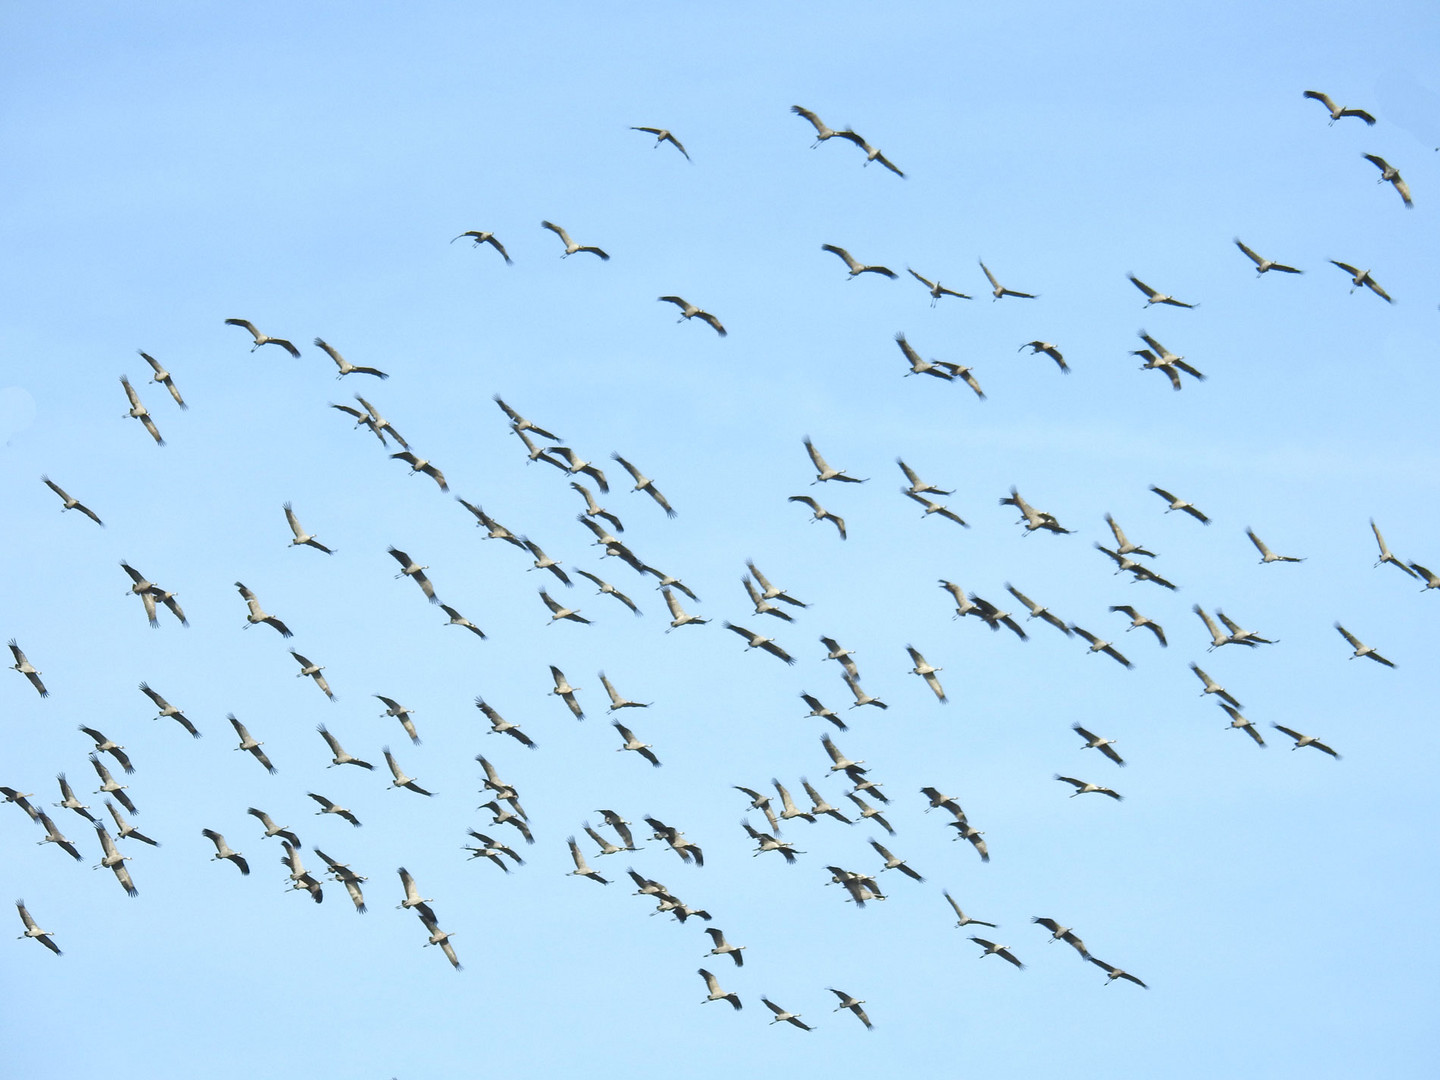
305,170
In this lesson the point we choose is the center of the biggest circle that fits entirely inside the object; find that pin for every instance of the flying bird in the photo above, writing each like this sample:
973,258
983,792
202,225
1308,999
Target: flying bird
645,484
419,464
1112,972
965,920
342,873
1062,933
785,1015
456,619
690,311
848,1001
105,745
1263,265
162,377
32,929
409,568
222,851
991,949
113,860
1180,504
759,641
559,611
257,614
936,289
271,829
821,131
110,786
1305,740
71,503
347,368
329,807
1153,296
1037,611
139,412
1266,555
1098,645
1083,787
1238,721
570,246
248,742
632,743
401,713
566,692
500,726
301,536
1359,278
480,236
723,947
1336,112
998,291
263,339
605,587
662,135
1095,742
771,592
894,863
1212,687
69,801
1385,555
871,153
926,671
25,668
679,616
856,268
401,780
1361,649
441,938
819,513
313,670
715,993
1137,620
1392,174
1037,347
53,835
166,709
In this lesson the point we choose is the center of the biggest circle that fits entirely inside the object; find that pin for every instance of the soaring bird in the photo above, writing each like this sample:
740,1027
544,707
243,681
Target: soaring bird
1431,579
110,786
271,829
71,503
1154,296
419,464
1037,611
1392,174
257,614
645,484
1112,972
965,920
932,507
621,826
263,339
998,291
821,131
1305,740
143,589
222,851
166,709
856,268
301,536
105,745
1180,504
329,807
849,1001
926,671
248,742
819,805
25,668
690,311
559,611
139,412
715,993
617,701
1031,518
377,423
518,423
936,289
760,641
679,616
1137,620
347,368
53,835
500,726
771,592
994,618
1262,265
871,153
1238,721
594,509
1362,277
313,670
991,949
819,513
342,873
894,863
441,938
1241,636
401,780
918,486
32,930
1083,787
605,587
69,801
632,743
456,619
1336,112
565,692
582,868
1212,687
1385,555
113,860
9,794
1098,645
662,135
1095,742
1062,933
1036,347
411,569
162,377
126,831
1361,649
723,947
939,369
870,813
401,713
570,246
480,236
1266,555
785,1015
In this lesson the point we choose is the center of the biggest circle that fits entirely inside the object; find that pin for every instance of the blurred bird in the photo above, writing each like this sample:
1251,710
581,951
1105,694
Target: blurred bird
71,503
480,236
998,291
263,339
1336,112
162,377
1392,174
856,268
347,368
570,246
222,851
248,742
690,311
662,135
139,412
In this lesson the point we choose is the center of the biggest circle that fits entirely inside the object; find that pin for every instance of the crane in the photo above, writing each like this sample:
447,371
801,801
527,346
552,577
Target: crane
857,268
248,742
166,709
480,236
162,377
690,311
301,536
71,503
223,851
257,614
263,339
32,930
139,412
570,246
1336,111
347,368
662,135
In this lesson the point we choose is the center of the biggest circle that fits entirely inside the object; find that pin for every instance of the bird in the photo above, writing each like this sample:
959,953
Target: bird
143,589
558,611
441,938
71,503
965,920
1114,973
32,929
401,713
926,671
839,761
1392,174
871,153
300,878
1336,112
861,697
788,809
723,947
1266,555
852,1003
1031,518
690,311
645,484
480,236
606,847
1385,555
415,572
632,743
401,780
823,470
762,803
1361,649
819,806
1180,504
759,641
1062,933
248,742
856,268
1305,740
582,868
771,592
991,949
113,860
1431,579
1238,721
819,513
785,1015
25,668
519,424
1082,787
105,745
502,817
53,835
222,851
621,826
763,606
1153,296
21,800
171,603
271,829
110,786
594,509
606,588
1037,611
994,618
347,368
677,842
126,831
616,700
329,807
1241,636
263,339
715,993
456,619
963,604
301,536
500,726
162,377
1263,265
1137,620
965,831
1141,571
413,900
936,289
1095,742
377,423
543,561
1212,687
679,616
494,849
363,418
1036,347
257,614
139,412
166,709
870,813
662,135
570,246
1216,637
1362,277
313,670
566,692
893,863
998,291
918,486
342,873
821,131
419,464
69,800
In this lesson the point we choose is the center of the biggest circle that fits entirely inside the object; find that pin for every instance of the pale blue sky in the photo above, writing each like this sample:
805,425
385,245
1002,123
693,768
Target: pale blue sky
305,167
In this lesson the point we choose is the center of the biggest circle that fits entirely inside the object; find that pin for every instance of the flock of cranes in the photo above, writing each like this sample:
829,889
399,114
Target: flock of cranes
765,599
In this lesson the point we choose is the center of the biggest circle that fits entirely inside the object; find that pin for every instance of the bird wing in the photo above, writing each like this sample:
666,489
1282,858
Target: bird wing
854,266
1146,289
1351,638
1324,99
558,231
